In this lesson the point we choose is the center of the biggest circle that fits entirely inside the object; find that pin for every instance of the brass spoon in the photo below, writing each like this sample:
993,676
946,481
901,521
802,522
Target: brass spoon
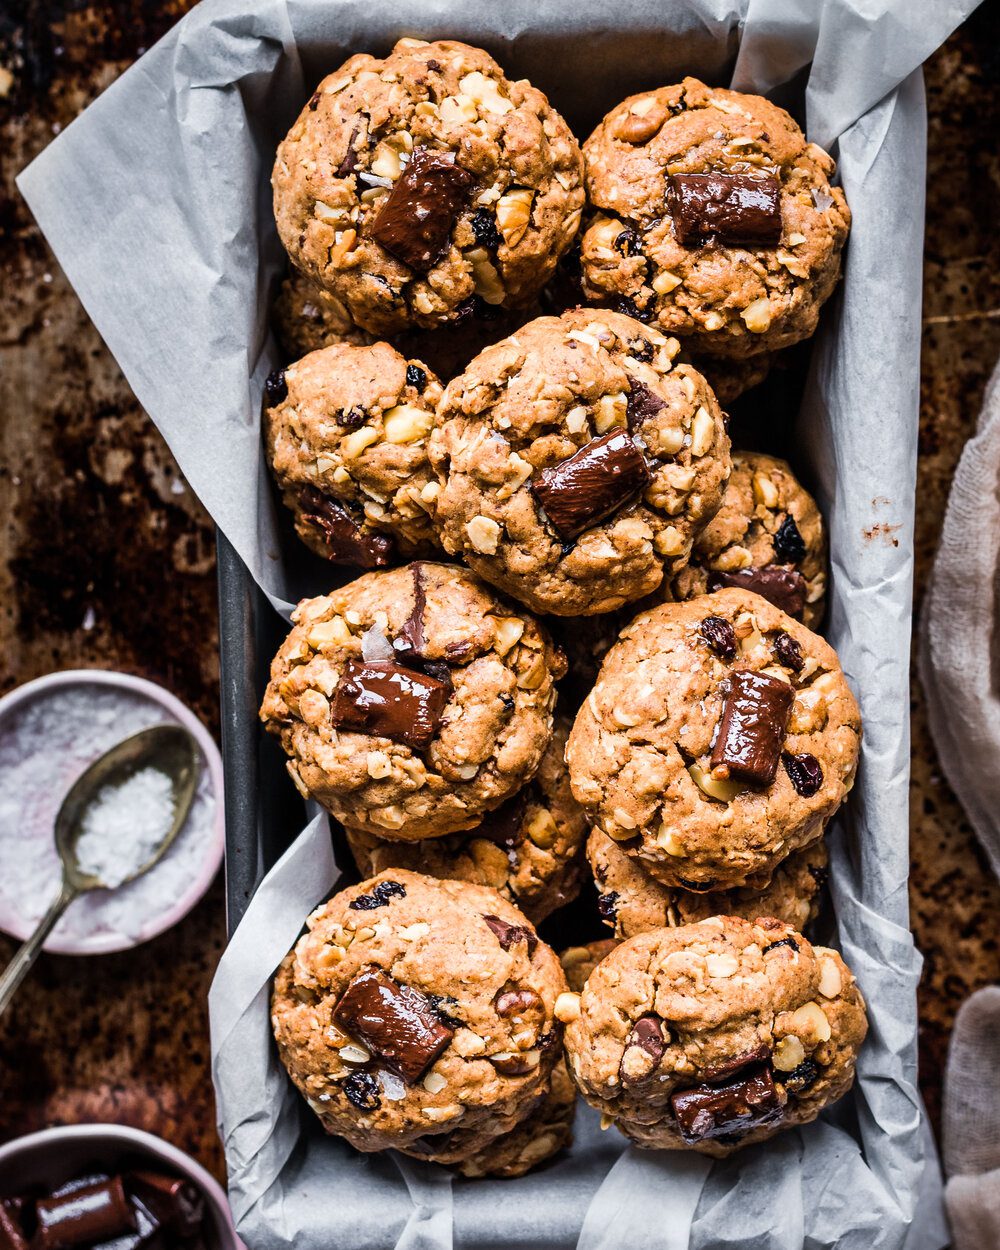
168,748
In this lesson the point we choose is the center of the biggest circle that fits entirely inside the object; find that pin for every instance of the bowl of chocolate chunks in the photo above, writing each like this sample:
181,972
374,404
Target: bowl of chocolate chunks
106,1187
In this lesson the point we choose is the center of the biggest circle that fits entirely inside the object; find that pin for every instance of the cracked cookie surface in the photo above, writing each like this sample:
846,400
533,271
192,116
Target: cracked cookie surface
717,1034
577,462
412,1008
412,187
631,901
346,436
768,537
746,278
530,848
720,737
412,701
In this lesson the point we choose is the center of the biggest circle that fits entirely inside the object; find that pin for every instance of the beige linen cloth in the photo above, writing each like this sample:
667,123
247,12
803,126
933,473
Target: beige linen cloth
960,671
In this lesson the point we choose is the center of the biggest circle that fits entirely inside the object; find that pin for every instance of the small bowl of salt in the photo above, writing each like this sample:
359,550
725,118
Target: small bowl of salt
51,730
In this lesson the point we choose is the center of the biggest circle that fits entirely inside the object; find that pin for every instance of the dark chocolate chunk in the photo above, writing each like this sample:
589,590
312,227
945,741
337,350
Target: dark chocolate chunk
642,403
11,1233
518,1003
350,162
416,220
726,1068
345,541
314,100
732,1110
641,349
275,388
717,634
364,1091
799,1078
416,377
592,484
785,588
484,227
732,208
442,1004
789,545
804,772
505,825
788,651
646,1035
752,729
95,1213
698,887
379,897
396,1022
411,640
175,1201
787,941
389,701
607,907
508,934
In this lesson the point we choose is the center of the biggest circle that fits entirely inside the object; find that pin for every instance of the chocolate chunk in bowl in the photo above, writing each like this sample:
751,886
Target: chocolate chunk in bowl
754,720
591,484
390,701
733,208
416,220
396,1022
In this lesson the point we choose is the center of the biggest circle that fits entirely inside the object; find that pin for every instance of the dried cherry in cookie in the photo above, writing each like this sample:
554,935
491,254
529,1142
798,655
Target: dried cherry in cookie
717,634
804,772
383,893
789,545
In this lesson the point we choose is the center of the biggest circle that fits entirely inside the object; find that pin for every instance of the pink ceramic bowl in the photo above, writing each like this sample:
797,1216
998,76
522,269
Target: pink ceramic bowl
55,1155
104,943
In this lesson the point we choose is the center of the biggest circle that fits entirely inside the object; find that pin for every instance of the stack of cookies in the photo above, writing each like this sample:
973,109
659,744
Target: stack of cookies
580,629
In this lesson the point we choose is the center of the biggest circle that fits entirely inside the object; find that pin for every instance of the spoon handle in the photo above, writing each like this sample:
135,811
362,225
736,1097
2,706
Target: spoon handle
19,966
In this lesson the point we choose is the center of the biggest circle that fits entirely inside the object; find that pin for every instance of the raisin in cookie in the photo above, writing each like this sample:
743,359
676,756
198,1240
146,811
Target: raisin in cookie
713,1035
413,186
412,701
767,537
414,1007
577,462
631,901
346,431
530,848
721,736
715,220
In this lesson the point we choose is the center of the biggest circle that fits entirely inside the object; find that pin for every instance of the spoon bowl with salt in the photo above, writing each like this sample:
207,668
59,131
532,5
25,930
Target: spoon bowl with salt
158,766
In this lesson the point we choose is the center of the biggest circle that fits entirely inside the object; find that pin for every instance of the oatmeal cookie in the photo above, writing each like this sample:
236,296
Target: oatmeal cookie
577,462
413,701
732,378
530,848
721,736
530,1142
631,901
346,432
768,537
714,219
578,962
414,1007
413,187
713,1035
306,318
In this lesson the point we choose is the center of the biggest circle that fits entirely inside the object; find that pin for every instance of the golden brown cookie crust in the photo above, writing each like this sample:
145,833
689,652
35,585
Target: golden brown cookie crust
431,937
542,396
639,753
353,424
631,901
720,993
497,721
579,962
530,849
720,299
767,520
348,149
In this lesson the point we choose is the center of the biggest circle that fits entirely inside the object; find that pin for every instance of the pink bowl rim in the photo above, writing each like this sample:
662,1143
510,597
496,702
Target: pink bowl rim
138,1138
107,943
